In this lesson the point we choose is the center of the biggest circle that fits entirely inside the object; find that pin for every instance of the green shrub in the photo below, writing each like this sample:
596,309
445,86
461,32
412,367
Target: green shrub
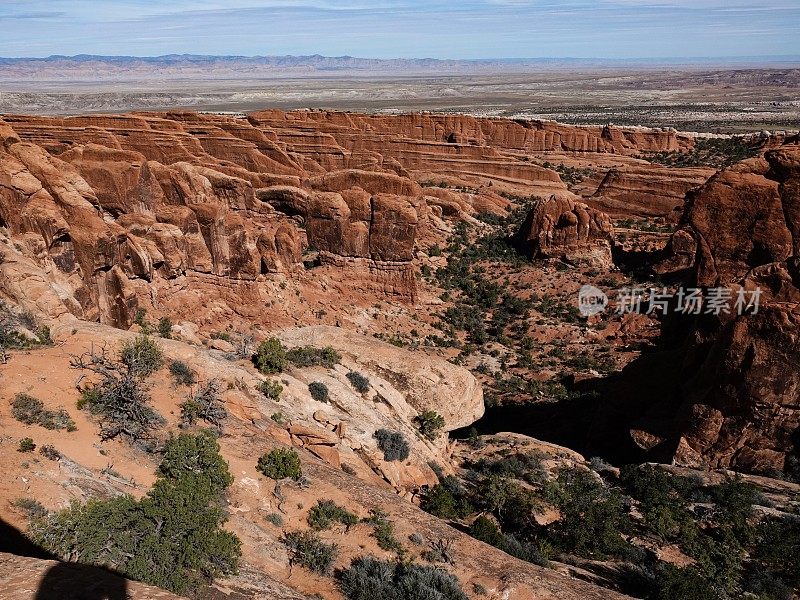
430,423
31,411
32,508
309,356
182,373
393,444
441,501
308,550
592,516
325,513
142,355
358,381
270,357
270,389
319,391
280,463
26,445
368,578
275,518
171,538
486,530
205,405
165,327
383,531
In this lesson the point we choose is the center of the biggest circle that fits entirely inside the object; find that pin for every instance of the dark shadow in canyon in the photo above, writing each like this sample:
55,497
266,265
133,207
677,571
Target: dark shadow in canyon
598,418
64,580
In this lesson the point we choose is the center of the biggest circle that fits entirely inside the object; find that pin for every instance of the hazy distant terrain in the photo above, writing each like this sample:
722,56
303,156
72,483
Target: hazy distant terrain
699,96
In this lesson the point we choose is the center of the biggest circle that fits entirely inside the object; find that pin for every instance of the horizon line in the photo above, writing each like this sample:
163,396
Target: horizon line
749,57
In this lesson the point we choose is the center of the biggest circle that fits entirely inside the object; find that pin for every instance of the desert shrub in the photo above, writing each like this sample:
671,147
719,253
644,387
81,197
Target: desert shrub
275,518
31,411
205,405
687,583
182,373
440,551
270,357
26,445
368,578
32,508
309,356
279,418
308,550
165,327
662,500
280,463
486,530
446,503
393,444
359,382
142,355
435,250
171,538
777,548
325,513
188,455
430,423
49,452
383,531
120,399
592,515
416,538
318,391
270,389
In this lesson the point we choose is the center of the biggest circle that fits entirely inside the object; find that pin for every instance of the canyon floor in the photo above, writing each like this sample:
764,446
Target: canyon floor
371,321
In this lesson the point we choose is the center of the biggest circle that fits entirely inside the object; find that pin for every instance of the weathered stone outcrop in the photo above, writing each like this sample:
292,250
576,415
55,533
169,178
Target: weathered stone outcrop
563,228
739,401
651,191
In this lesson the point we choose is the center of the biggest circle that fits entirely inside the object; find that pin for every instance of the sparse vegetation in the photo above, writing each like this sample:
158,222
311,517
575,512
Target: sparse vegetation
309,356
205,405
368,578
271,389
142,355
383,531
319,391
31,411
165,327
430,424
32,508
280,463
393,444
26,445
182,373
171,538
121,399
707,152
308,550
325,513
270,357
359,382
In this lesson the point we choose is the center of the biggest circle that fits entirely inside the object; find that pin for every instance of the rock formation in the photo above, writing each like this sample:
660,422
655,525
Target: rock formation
564,228
740,396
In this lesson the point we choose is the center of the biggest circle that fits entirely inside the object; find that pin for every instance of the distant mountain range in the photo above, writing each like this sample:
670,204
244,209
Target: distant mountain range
190,66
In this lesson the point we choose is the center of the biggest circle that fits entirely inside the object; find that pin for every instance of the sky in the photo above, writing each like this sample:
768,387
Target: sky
461,29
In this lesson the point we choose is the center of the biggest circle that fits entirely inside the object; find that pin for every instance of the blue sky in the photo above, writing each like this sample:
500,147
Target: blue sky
405,28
